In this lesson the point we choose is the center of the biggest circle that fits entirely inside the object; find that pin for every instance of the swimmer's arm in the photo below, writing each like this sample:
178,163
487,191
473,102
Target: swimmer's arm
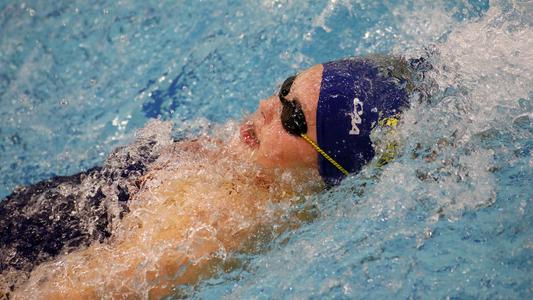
122,267
102,268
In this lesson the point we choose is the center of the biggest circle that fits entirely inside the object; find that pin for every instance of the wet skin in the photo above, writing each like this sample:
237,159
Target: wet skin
227,188
263,132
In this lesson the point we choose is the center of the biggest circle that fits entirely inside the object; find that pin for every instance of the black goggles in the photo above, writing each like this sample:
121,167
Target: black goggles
292,115
293,120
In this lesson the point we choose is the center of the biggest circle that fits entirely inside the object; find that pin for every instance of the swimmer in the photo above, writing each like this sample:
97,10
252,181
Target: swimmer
159,214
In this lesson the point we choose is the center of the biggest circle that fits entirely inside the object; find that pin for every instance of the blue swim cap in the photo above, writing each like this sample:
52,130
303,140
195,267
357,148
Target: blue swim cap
354,95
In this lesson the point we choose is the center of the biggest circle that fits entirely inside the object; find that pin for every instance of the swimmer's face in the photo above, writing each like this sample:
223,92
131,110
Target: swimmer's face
264,133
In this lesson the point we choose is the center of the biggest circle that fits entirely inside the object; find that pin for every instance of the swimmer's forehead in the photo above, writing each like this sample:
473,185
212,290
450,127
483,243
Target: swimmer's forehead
306,88
308,79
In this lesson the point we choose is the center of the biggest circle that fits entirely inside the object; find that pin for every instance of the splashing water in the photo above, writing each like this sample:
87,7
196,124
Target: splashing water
450,217
200,207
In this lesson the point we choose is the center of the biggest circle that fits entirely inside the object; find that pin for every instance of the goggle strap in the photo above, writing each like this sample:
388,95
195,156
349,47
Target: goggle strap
326,156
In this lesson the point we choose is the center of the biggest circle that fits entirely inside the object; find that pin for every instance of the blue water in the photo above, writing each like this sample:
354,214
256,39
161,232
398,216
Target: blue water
451,217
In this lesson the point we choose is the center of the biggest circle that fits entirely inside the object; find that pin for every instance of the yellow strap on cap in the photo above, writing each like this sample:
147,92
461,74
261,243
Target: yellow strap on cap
326,156
391,151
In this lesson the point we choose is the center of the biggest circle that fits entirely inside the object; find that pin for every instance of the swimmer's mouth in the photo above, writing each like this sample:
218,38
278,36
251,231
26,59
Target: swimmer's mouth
248,135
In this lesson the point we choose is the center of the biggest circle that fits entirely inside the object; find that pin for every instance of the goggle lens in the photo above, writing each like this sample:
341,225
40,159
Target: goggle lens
292,115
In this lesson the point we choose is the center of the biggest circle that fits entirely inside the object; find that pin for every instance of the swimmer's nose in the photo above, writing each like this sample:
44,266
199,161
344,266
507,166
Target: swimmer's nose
267,109
263,105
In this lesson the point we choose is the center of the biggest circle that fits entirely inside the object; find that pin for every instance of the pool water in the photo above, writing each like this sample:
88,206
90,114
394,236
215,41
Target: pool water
451,217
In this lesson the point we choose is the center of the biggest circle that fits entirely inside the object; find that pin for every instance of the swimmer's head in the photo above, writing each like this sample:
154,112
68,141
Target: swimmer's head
264,132
336,104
